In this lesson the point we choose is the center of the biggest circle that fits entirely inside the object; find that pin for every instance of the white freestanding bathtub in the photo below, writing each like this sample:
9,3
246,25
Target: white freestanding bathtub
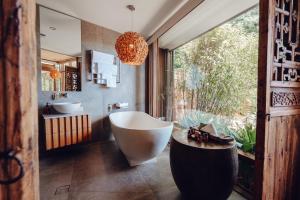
140,136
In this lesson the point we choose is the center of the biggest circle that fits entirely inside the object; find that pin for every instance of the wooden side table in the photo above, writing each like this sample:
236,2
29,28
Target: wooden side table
205,170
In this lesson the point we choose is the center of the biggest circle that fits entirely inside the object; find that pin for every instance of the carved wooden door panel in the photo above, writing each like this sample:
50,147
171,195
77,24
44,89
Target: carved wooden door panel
72,82
278,121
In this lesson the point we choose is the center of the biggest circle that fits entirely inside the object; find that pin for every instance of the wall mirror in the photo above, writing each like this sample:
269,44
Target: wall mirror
60,40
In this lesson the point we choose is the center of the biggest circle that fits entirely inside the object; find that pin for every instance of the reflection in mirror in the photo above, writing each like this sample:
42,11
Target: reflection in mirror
60,72
60,37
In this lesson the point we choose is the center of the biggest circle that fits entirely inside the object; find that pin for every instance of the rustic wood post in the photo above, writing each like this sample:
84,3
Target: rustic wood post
18,99
155,70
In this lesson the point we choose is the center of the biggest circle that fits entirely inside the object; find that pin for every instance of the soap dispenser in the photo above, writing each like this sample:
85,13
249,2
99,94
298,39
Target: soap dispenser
47,109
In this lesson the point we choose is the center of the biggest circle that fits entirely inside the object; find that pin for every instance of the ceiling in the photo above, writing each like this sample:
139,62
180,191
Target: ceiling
203,18
60,33
113,14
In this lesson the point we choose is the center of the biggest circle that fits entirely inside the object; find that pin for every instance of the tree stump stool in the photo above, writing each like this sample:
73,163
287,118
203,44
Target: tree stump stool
205,171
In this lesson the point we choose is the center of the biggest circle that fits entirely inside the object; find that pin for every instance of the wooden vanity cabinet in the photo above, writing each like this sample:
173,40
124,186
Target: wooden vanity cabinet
65,130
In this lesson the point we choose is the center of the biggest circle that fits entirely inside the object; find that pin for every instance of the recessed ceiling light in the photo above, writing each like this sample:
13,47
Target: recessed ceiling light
52,28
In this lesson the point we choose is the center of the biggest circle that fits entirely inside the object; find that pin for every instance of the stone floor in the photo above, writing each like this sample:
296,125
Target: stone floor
99,171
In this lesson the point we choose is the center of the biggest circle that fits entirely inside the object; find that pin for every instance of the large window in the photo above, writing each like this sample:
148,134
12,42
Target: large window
215,79
216,73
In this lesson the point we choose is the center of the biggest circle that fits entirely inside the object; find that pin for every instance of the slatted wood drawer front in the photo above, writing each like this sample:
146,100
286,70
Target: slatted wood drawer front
62,132
68,131
65,131
74,130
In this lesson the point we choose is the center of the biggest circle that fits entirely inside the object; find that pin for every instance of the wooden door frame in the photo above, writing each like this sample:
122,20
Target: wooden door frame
18,98
264,60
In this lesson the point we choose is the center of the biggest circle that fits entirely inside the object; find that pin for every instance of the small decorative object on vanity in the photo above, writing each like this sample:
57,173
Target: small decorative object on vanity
47,109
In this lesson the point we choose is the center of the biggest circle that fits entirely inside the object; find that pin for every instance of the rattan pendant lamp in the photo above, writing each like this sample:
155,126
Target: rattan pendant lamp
55,74
131,47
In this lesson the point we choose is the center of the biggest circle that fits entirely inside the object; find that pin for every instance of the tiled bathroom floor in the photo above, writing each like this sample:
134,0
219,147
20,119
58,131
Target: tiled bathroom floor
100,172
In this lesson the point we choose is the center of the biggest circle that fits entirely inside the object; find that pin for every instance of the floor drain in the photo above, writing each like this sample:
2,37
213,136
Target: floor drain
62,189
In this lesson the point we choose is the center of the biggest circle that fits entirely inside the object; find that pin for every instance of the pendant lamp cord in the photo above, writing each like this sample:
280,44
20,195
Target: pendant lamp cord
131,28
131,8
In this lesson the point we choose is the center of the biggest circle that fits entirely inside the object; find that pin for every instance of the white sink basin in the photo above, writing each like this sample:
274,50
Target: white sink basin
67,107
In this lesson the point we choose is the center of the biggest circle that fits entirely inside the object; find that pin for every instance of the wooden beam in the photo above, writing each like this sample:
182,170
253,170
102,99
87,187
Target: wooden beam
169,87
162,66
155,79
155,66
18,98
47,67
181,13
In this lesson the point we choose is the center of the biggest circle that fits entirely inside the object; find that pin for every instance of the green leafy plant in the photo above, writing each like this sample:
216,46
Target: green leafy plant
215,79
247,137
217,72
195,118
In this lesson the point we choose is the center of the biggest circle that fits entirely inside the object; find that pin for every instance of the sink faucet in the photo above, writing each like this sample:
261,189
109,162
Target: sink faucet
109,107
55,95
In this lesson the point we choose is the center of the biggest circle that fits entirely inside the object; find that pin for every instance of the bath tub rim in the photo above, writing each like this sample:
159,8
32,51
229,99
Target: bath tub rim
168,124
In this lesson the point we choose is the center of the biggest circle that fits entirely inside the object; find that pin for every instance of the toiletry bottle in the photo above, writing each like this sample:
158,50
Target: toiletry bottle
47,109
